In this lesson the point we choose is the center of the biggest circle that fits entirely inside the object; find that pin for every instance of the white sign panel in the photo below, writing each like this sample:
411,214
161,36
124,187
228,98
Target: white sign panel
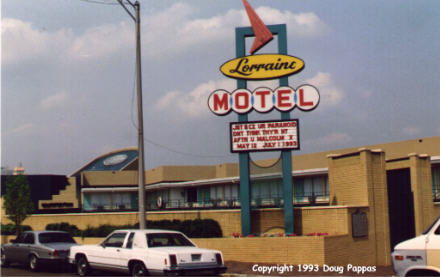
263,100
264,136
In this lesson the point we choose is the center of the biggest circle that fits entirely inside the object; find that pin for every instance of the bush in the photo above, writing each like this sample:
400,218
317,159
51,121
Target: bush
64,226
199,228
9,229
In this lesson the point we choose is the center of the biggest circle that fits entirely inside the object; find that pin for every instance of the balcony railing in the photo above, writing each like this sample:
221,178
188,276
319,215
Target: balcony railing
307,199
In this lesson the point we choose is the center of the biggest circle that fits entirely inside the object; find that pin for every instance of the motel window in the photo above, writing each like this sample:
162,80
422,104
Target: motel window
121,200
203,195
217,192
100,201
153,196
267,189
109,201
311,189
234,191
220,192
191,195
436,183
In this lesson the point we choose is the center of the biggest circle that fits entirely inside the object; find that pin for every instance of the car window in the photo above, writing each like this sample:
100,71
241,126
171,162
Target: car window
437,232
55,237
430,227
115,240
167,239
29,239
130,240
20,238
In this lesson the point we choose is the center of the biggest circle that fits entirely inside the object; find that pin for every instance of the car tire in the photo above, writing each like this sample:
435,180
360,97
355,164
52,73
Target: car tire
4,262
82,266
139,269
33,263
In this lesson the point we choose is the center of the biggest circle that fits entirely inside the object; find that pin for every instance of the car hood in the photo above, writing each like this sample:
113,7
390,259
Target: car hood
417,243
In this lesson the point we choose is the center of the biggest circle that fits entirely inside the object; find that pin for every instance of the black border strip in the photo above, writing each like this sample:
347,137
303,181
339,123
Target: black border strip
265,150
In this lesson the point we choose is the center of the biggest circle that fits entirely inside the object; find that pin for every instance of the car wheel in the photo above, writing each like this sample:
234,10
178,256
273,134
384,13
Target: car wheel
3,260
82,266
139,269
33,263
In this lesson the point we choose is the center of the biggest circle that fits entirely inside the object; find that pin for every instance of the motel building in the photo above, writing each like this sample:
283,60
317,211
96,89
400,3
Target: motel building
350,205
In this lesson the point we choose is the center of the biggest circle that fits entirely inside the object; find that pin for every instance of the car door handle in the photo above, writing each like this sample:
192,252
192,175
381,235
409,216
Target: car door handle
117,250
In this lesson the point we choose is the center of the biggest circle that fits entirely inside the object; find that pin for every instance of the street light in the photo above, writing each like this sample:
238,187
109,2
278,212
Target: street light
141,162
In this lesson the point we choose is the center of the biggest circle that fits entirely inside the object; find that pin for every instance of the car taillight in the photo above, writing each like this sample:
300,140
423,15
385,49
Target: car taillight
173,260
398,258
54,253
218,257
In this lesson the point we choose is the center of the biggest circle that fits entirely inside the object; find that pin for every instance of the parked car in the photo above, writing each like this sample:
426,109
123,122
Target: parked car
419,256
34,248
145,252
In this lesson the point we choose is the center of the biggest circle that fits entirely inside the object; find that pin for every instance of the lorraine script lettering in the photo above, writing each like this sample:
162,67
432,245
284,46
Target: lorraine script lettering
246,69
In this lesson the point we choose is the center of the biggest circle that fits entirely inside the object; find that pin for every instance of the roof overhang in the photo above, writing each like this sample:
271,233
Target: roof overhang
207,182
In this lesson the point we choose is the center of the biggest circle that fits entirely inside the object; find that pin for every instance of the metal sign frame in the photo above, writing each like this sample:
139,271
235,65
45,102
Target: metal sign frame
241,34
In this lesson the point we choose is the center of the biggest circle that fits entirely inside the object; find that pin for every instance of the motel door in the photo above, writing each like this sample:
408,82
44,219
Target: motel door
400,206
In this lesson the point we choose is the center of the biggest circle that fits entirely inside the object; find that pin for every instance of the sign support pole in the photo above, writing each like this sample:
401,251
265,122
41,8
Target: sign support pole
245,186
286,155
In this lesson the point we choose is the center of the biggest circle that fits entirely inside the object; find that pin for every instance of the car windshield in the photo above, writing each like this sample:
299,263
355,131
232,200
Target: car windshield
55,237
432,225
167,239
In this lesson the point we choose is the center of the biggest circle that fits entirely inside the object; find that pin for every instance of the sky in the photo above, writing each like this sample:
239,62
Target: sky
68,77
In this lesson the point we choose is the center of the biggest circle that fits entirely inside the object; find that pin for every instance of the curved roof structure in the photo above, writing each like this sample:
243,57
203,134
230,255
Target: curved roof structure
116,160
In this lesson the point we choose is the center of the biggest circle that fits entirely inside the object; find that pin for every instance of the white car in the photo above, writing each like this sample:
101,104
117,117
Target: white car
419,256
145,252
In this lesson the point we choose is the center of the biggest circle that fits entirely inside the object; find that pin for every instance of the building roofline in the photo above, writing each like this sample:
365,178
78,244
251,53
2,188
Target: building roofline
198,183
102,156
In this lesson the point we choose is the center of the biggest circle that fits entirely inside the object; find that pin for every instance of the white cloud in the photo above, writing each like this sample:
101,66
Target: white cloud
102,41
193,103
166,33
330,94
298,25
54,101
21,41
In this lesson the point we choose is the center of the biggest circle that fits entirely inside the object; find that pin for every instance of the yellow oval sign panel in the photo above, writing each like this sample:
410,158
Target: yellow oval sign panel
262,67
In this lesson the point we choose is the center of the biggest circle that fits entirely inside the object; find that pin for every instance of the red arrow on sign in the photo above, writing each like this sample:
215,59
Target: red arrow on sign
262,33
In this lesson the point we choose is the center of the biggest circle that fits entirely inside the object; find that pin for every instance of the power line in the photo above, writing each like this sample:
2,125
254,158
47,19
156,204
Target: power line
181,152
99,2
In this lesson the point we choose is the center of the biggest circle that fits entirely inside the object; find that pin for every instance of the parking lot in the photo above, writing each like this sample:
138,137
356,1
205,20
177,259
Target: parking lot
234,269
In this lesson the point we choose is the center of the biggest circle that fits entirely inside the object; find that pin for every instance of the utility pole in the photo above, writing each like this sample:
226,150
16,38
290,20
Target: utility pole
141,159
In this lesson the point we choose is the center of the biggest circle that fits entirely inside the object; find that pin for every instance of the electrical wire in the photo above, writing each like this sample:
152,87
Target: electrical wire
184,153
151,142
99,2
132,106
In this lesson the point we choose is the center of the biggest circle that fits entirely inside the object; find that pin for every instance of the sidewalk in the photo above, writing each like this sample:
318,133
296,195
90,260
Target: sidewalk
239,269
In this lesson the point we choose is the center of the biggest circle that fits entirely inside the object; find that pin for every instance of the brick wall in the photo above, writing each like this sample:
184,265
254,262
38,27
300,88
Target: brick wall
359,179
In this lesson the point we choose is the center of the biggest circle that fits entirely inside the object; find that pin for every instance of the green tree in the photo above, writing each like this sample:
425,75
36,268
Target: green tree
17,200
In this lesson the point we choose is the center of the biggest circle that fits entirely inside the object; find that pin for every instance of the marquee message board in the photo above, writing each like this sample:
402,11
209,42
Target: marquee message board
264,136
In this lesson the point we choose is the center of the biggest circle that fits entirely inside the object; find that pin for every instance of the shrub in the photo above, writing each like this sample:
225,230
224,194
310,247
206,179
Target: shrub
199,228
10,229
64,226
